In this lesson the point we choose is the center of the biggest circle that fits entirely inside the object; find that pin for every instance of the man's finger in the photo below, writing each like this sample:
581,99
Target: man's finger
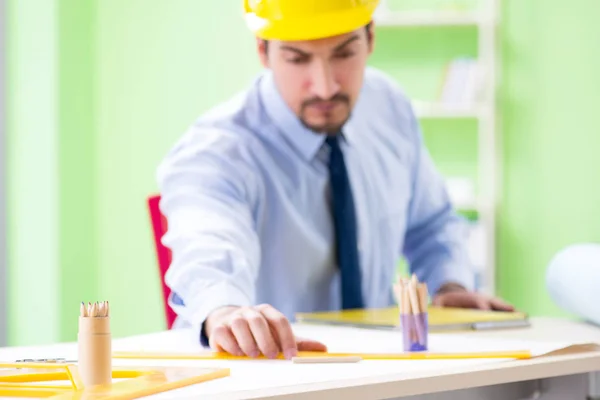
500,305
282,330
481,302
222,339
458,299
310,345
243,335
261,332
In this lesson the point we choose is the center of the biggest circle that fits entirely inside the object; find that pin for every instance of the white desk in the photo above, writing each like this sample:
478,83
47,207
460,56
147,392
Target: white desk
447,379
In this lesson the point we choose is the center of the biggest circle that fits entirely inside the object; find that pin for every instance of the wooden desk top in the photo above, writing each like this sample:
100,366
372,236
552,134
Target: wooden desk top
279,379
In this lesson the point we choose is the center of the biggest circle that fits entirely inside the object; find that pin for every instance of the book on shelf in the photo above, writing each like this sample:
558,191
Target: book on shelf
460,93
462,84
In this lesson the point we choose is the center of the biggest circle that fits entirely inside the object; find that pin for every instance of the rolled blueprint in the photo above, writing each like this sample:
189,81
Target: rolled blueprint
573,279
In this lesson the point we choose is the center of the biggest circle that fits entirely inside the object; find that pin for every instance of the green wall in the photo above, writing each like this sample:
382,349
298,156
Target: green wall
157,69
100,90
550,99
51,188
77,232
32,181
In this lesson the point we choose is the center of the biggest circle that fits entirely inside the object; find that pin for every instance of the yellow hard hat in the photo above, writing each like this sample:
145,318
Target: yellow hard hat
291,20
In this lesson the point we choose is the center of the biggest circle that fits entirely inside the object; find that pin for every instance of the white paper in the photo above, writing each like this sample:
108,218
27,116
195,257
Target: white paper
268,374
341,339
354,340
265,374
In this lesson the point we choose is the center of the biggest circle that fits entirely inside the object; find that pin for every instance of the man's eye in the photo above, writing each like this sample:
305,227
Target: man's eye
298,60
346,54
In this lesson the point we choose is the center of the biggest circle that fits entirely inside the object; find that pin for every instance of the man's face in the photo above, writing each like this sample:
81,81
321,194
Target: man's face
320,80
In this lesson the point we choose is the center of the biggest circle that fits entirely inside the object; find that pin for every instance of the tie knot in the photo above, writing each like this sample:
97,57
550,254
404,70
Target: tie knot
333,141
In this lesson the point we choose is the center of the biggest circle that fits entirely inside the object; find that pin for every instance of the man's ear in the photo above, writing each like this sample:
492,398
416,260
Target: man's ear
262,48
371,36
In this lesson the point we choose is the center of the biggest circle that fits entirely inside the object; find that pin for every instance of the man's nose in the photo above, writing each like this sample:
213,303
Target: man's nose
324,84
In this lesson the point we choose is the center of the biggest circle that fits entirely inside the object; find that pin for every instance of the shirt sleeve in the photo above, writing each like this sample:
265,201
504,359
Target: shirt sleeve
435,244
207,194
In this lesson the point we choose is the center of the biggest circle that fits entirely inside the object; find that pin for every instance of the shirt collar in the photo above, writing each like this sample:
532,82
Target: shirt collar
306,141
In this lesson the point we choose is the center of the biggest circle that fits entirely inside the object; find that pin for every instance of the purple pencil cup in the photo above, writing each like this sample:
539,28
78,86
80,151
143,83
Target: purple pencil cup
415,331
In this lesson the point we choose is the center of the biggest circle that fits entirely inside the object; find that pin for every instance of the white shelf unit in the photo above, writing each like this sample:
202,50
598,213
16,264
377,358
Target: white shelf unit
486,20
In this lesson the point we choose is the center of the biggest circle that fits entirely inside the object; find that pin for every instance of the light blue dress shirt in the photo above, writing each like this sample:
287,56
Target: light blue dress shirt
246,195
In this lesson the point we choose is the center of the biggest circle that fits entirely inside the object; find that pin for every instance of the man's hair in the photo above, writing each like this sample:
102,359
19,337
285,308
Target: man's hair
367,28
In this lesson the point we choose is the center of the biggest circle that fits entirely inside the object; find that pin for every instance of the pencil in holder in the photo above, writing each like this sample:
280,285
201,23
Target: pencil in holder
412,299
415,331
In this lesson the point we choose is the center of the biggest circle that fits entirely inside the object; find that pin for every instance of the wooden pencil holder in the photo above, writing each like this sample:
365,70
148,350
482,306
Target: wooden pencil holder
415,331
95,347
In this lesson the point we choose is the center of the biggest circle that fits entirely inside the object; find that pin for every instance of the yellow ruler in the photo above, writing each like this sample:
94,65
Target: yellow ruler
520,354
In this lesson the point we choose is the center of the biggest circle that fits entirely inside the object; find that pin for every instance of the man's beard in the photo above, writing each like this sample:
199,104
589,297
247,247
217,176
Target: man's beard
327,128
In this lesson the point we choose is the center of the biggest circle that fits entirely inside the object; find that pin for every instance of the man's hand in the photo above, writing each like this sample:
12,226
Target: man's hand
254,330
455,296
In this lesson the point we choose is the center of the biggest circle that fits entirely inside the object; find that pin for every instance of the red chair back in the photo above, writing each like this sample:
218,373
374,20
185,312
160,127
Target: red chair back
163,254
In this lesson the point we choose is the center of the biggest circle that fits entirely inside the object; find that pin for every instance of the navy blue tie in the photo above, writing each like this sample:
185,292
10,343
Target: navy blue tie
345,227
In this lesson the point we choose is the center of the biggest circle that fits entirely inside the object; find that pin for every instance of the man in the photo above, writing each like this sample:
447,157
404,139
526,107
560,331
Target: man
301,193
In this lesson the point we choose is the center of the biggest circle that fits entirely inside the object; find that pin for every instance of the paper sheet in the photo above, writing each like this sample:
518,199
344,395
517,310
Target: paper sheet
365,341
261,374
343,339
265,374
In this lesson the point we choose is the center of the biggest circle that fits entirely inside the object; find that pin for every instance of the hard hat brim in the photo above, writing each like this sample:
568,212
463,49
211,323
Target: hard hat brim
313,28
